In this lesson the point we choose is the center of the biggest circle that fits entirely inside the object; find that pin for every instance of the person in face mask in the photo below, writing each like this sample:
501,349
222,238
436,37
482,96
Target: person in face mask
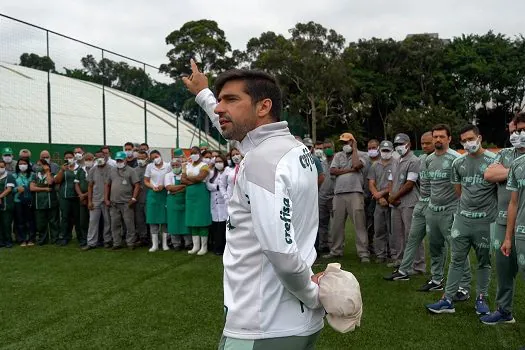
47,215
176,203
471,228
318,166
24,204
144,147
418,227
156,199
198,215
372,156
506,265
81,188
404,194
120,195
347,167
142,229
218,206
204,146
107,155
378,185
207,158
79,155
96,178
7,186
228,176
7,157
131,161
55,168
68,198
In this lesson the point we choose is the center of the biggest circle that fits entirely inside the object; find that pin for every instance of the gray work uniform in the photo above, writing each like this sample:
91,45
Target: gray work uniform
122,182
348,201
326,197
402,170
140,207
379,173
98,177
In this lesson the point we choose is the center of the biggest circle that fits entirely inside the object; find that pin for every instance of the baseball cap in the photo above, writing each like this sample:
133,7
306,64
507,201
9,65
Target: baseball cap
178,152
340,295
120,155
346,137
386,145
401,139
7,150
308,142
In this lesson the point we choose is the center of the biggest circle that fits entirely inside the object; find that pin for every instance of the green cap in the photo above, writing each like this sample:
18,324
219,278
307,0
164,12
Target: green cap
178,152
7,150
120,155
329,152
204,144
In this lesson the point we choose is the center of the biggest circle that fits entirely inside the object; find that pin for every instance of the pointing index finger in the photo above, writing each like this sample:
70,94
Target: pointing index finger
194,67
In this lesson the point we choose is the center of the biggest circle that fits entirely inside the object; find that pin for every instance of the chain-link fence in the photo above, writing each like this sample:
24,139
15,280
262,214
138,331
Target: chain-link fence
55,89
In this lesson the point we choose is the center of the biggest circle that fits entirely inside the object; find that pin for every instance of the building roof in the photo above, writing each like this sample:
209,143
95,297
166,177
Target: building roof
76,113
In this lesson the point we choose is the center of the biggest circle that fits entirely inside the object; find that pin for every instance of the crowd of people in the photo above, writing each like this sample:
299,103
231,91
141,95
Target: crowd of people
461,201
133,199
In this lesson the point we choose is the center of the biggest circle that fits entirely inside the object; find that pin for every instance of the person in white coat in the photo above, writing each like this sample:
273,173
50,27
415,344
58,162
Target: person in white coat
218,206
228,178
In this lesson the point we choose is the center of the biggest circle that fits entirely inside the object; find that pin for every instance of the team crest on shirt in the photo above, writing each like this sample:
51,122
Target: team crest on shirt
483,167
521,259
446,163
497,244
454,233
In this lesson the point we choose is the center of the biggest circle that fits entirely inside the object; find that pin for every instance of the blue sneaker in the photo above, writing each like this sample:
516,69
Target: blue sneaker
481,305
497,317
443,306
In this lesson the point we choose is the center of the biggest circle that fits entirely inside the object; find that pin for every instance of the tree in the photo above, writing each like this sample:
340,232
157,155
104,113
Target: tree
35,61
201,40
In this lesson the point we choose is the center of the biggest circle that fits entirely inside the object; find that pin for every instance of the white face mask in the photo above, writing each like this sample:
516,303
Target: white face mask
121,165
78,156
206,160
48,160
402,150
472,146
319,153
157,161
129,154
236,158
23,167
2,171
194,157
347,149
515,139
135,154
70,161
88,163
100,161
386,155
372,153
177,170
7,159
219,166
142,162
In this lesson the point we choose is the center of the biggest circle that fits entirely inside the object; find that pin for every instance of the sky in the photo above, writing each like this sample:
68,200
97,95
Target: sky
138,28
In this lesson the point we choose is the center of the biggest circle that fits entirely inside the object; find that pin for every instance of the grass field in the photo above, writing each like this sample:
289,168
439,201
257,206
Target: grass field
62,298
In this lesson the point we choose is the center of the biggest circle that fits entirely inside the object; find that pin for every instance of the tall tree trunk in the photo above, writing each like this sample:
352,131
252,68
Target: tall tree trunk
314,118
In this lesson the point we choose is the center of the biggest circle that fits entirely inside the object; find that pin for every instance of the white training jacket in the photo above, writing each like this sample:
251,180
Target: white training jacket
271,231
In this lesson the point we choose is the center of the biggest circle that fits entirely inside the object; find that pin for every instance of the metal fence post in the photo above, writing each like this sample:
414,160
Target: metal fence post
49,138
104,107
145,111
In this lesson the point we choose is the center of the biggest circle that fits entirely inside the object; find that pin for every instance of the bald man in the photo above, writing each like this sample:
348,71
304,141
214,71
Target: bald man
418,226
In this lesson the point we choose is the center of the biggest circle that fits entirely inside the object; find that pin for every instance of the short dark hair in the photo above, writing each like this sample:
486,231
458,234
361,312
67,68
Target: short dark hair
129,144
439,127
374,141
82,148
105,147
144,144
154,152
258,85
519,118
144,153
203,153
469,127
319,143
69,152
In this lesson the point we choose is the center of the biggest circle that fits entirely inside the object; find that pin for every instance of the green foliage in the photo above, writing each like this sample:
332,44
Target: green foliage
37,62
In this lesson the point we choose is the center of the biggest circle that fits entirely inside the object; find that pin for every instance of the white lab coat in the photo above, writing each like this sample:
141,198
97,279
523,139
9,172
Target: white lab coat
218,206
226,184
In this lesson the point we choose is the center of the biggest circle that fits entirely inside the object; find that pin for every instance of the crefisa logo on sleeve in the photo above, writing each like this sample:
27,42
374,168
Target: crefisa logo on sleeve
286,217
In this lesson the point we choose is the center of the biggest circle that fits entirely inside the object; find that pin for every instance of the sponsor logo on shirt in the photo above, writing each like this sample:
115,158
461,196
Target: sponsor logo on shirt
437,174
473,180
520,229
286,217
473,214
306,159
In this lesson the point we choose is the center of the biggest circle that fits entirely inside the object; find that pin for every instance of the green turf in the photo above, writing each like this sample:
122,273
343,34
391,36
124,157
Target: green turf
62,298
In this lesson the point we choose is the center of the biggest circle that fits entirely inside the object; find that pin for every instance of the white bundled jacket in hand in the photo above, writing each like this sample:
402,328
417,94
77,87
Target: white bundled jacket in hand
340,295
